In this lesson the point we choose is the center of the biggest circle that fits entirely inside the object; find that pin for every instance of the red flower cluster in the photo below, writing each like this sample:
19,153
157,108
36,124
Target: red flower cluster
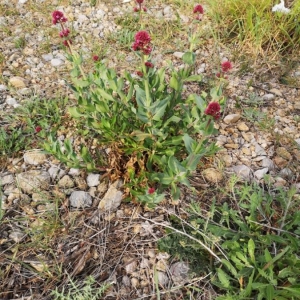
139,73
58,17
226,66
151,190
38,129
149,64
198,9
64,33
142,42
139,8
213,109
95,58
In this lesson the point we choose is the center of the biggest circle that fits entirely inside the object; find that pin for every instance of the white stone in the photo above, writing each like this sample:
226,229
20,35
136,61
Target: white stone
268,163
11,101
111,200
56,62
47,57
233,118
178,54
259,150
268,97
242,171
93,179
33,180
53,171
3,87
66,182
17,82
35,157
259,174
6,179
80,199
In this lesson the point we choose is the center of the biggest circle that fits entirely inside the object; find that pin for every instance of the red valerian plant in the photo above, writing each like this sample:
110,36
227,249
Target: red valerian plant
139,8
213,109
149,64
95,58
226,66
151,190
198,9
142,42
38,129
58,17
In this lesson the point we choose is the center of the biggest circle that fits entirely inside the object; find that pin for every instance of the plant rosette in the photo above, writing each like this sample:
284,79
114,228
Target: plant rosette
156,136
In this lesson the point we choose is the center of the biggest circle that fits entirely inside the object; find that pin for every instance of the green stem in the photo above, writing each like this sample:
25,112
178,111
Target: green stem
146,82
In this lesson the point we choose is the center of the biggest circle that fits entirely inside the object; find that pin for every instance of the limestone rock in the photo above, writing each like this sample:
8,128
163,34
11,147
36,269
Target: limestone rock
242,126
212,175
35,157
282,152
33,180
80,199
111,200
242,171
66,182
93,179
259,174
17,82
233,118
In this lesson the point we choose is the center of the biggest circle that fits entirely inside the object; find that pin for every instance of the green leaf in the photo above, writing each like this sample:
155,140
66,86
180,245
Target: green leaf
105,95
189,58
193,78
251,249
230,267
174,83
159,109
140,135
192,161
80,83
189,143
102,107
175,166
295,290
74,112
270,292
223,277
174,119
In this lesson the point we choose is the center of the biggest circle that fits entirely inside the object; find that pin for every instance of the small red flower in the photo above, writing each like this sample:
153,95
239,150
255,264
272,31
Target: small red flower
95,58
64,33
198,9
67,42
149,64
139,73
226,66
151,190
144,9
58,17
142,41
136,9
139,1
38,129
213,109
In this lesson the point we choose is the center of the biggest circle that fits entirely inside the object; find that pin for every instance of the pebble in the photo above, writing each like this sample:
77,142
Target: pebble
80,199
33,180
268,97
56,62
180,272
66,182
242,171
93,179
6,179
17,82
178,54
259,174
242,127
259,150
212,175
16,236
111,200
233,118
35,157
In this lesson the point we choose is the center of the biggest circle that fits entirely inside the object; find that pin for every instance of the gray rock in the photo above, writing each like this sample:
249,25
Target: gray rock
233,118
53,171
286,173
6,179
268,97
259,150
74,172
242,171
47,57
35,157
168,12
33,180
3,87
268,163
66,182
297,141
180,272
259,174
162,278
80,199
56,62
11,101
93,179
16,236
178,54
111,200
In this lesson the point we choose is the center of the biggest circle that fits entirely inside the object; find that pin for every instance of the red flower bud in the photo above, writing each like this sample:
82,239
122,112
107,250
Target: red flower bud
213,109
151,190
38,129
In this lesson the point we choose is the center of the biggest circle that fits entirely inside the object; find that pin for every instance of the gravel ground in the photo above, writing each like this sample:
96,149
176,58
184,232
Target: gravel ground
250,150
